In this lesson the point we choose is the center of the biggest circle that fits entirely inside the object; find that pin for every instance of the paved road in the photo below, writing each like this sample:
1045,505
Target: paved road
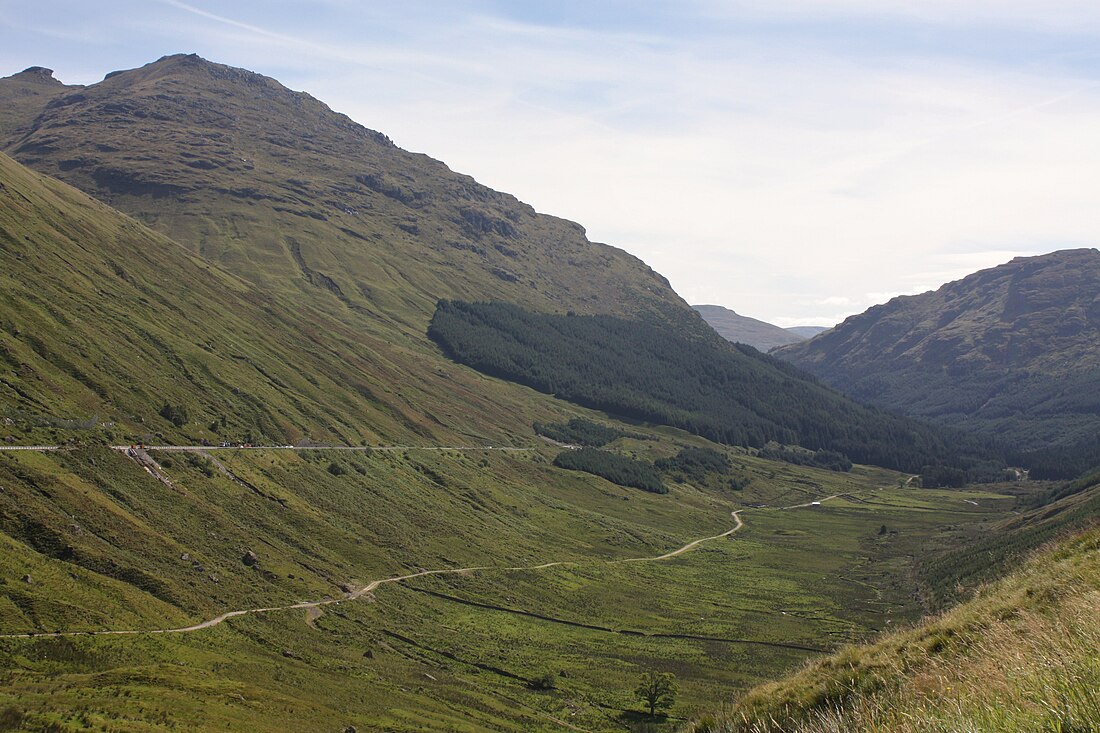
375,584
359,448
176,448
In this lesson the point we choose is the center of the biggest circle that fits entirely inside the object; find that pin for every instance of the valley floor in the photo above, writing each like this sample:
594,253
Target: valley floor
514,603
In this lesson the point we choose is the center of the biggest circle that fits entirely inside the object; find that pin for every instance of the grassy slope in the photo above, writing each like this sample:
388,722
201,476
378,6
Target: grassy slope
1020,656
103,317
100,317
953,575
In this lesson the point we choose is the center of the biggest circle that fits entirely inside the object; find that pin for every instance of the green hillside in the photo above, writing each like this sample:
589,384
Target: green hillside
104,322
1041,518
1011,351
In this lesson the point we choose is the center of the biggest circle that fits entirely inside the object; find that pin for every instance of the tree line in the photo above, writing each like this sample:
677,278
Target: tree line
579,431
617,469
725,392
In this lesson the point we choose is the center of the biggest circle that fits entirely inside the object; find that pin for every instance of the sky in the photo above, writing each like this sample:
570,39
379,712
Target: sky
795,160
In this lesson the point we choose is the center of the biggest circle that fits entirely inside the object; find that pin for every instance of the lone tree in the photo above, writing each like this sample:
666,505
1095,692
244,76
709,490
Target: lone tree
657,690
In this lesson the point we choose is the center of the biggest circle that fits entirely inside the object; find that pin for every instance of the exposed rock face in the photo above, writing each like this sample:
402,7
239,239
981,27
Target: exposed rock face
25,95
40,73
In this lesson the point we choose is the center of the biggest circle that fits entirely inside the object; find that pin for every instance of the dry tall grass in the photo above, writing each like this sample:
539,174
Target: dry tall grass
1024,656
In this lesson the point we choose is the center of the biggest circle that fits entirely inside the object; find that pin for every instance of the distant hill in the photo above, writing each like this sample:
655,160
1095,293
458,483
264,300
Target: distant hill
1012,351
744,330
807,332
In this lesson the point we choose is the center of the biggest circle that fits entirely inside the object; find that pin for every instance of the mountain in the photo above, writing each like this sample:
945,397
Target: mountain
25,95
1012,351
284,192
807,332
348,240
744,330
332,222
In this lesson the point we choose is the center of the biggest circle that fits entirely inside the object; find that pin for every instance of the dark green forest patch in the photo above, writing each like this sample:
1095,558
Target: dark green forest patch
615,468
579,431
646,371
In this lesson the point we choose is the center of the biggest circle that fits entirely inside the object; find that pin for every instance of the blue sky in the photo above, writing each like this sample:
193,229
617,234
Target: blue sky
796,160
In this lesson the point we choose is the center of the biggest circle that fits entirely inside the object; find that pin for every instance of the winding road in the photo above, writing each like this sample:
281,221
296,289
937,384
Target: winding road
375,584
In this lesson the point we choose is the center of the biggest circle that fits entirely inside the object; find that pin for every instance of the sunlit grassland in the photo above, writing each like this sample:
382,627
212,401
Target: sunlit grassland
401,658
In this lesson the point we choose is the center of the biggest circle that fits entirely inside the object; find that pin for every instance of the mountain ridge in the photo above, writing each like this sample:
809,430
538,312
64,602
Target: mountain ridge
737,328
296,195
1010,350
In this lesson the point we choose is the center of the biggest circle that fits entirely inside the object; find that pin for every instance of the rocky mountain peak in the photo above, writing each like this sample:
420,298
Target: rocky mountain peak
39,74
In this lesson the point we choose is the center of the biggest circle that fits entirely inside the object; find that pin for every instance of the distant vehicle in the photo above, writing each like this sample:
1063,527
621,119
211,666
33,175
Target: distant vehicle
815,503
225,444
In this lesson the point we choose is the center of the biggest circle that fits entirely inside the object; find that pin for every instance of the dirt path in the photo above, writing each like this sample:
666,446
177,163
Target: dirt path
375,584
691,545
